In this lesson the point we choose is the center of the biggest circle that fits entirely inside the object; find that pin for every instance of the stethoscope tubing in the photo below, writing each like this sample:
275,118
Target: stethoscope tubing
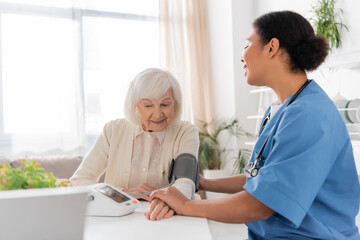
258,159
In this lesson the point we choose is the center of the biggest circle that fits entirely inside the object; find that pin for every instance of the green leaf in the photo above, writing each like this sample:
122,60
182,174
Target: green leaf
327,22
27,175
210,152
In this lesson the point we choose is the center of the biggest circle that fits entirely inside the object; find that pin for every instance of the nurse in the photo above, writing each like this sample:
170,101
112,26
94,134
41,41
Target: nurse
301,181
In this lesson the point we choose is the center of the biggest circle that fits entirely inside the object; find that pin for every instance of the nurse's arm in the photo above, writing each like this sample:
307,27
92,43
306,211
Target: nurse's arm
237,208
231,184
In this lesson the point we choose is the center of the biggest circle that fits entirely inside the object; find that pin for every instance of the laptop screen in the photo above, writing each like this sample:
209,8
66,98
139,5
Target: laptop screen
52,213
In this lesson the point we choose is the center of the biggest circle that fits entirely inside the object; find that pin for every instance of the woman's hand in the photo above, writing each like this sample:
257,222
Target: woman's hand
142,188
158,210
172,197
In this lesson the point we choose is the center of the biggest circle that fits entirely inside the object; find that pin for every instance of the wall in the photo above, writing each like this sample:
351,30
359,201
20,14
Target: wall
229,25
221,54
264,6
245,103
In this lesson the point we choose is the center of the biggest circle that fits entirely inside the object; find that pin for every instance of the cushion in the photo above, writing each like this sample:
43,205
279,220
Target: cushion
62,166
4,160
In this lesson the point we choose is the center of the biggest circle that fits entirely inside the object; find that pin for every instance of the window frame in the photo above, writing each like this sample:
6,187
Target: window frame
76,15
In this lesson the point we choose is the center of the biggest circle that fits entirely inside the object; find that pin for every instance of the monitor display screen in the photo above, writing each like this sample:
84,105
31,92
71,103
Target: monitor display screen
113,194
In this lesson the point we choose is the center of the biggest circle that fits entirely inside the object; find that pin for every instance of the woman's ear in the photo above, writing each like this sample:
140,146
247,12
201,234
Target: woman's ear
273,47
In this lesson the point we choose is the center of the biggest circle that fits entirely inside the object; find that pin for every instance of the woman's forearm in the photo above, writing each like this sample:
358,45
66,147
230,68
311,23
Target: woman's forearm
80,181
238,208
232,184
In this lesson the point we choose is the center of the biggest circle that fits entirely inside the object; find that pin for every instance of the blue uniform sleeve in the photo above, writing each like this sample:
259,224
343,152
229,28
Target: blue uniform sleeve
298,157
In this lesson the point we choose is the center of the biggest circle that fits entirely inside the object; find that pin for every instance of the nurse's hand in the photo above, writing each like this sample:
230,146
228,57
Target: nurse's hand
172,197
158,210
142,188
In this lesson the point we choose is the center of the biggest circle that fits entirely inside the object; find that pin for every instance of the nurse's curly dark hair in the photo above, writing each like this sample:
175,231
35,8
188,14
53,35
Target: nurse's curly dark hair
295,34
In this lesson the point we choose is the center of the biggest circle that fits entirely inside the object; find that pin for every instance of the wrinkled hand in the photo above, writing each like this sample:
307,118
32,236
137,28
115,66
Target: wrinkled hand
158,210
142,188
172,197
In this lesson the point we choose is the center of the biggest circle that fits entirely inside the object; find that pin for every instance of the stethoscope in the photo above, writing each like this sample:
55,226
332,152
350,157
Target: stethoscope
252,169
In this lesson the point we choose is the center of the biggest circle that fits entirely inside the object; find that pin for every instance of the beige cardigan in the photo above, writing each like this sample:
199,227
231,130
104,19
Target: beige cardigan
112,153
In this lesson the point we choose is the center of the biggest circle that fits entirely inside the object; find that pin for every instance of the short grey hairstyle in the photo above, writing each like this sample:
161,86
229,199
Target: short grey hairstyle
152,83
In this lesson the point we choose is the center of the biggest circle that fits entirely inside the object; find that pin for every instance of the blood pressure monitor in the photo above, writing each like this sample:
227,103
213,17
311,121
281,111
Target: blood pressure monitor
106,200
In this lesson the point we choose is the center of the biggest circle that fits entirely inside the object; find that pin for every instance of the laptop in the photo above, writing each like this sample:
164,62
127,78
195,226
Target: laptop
43,214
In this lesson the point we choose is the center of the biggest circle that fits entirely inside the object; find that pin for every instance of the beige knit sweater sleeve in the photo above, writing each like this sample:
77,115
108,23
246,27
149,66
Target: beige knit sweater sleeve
94,163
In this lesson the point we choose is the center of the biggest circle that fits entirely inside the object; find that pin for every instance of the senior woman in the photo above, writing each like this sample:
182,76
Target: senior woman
136,152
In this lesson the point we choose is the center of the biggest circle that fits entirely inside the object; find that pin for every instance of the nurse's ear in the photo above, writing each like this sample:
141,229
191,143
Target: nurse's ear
273,47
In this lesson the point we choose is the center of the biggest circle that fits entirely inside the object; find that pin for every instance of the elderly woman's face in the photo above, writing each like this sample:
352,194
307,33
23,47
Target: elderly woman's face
157,114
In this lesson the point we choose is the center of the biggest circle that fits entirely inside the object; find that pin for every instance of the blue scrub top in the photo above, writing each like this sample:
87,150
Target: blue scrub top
308,176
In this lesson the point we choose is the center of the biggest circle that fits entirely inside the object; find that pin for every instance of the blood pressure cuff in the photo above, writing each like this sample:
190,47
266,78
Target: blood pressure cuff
185,166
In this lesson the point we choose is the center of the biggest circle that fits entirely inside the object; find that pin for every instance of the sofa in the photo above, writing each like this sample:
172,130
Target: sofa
62,166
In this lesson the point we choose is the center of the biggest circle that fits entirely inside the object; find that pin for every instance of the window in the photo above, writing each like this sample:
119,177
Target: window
123,48
65,69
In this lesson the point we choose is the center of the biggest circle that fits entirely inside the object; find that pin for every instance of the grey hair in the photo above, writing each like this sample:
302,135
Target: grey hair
152,83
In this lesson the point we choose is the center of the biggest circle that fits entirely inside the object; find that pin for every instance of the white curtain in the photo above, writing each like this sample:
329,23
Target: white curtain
65,67
185,49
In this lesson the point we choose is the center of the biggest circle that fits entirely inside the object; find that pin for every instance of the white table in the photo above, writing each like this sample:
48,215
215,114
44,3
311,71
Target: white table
136,226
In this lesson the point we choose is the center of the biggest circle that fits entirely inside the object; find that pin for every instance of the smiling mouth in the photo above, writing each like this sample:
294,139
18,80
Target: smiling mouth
158,122
245,69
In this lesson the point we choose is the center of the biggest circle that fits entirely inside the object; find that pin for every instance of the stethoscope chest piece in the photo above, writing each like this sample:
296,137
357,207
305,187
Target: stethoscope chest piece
251,170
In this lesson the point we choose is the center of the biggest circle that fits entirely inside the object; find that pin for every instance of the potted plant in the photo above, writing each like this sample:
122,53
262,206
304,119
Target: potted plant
241,160
327,22
211,153
27,176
